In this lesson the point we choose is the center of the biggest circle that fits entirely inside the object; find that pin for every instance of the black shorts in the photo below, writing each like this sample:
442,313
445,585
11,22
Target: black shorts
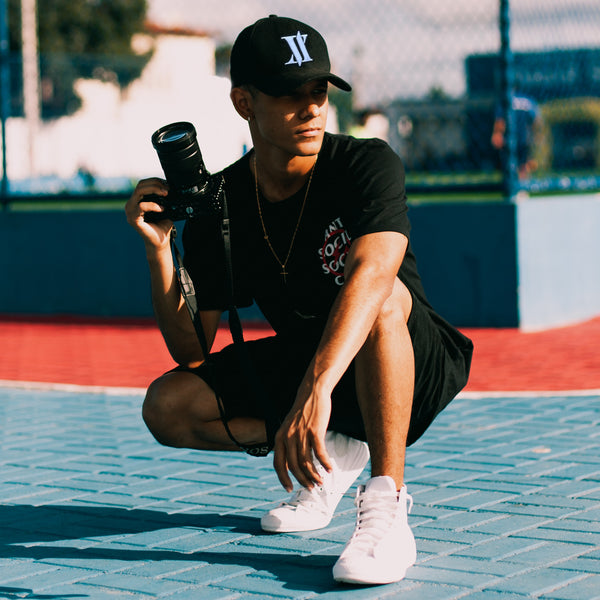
442,362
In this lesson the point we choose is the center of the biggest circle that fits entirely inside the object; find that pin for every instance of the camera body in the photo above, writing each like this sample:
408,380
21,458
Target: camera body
193,191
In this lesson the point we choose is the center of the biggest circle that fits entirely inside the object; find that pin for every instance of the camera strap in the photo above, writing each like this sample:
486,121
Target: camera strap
235,327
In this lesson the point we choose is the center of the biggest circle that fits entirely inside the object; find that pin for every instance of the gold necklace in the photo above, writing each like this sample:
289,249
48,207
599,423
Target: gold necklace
283,264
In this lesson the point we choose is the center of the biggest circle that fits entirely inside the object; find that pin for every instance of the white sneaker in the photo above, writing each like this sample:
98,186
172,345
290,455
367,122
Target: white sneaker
313,509
382,546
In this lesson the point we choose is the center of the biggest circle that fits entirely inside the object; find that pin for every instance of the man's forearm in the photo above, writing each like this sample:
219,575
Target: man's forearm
170,311
350,321
371,268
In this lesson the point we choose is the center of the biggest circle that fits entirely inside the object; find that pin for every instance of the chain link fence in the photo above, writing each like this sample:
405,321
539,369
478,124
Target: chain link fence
460,94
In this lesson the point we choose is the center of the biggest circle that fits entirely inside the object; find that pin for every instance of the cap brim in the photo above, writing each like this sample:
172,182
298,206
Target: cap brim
339,82
290,85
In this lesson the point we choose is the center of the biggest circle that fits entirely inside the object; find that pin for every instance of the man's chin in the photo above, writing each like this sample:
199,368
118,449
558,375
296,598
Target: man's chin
311,146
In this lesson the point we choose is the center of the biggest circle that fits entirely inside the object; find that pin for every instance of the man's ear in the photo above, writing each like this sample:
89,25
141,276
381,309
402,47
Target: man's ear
242,102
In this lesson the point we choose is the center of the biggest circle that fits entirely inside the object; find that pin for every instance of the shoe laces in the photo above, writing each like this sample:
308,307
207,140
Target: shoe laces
306,499
375,517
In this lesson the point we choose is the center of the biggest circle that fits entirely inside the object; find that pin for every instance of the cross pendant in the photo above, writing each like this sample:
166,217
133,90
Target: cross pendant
284,273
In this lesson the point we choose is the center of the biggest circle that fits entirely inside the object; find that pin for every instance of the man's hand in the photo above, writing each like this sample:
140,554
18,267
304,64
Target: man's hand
302,434
155,235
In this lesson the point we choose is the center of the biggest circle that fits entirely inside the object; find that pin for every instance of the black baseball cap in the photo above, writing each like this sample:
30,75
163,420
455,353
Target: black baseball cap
277,55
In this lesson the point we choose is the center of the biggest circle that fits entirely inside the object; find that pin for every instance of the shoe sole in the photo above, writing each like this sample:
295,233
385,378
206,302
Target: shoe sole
292,529
366,580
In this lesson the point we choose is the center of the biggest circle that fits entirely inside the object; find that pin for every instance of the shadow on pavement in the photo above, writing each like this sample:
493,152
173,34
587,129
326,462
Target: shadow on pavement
28,532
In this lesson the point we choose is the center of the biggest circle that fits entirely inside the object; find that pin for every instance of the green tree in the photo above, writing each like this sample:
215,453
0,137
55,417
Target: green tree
79,39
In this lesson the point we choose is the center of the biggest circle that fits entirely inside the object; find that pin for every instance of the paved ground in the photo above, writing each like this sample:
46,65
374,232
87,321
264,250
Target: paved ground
506,506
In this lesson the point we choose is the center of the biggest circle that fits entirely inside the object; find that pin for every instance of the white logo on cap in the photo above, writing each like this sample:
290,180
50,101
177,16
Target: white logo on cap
297,44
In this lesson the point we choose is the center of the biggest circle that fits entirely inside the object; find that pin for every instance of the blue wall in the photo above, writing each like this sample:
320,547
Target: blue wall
75,263
534,264
466,255
93,263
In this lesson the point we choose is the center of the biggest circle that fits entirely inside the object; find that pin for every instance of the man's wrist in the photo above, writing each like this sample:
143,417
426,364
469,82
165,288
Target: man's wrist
158,254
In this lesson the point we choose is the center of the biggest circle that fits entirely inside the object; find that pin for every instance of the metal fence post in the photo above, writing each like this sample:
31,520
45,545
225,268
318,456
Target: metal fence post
507,77
4,95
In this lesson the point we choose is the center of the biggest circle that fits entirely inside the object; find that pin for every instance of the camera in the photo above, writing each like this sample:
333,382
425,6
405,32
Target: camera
193,191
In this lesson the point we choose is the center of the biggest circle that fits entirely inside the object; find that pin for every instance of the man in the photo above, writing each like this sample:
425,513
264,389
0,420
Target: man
319,240
526,125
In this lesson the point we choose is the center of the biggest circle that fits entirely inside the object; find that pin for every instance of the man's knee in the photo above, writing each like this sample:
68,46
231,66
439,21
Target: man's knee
396,309
168,406
157,409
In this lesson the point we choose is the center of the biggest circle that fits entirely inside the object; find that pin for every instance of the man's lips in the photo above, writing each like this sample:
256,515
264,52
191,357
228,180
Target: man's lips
309,131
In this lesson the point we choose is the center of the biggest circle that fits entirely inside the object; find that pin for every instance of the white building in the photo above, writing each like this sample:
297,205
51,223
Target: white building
110,135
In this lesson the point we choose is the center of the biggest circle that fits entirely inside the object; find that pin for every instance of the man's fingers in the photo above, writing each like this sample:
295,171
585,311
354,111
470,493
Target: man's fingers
308,463
295,457
321,453
149,206
281,466
296,464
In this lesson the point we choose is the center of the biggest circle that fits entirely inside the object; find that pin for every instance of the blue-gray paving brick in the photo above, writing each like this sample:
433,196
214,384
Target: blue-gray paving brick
147,487
444,476
582,563
474,565
459,519
441,496
430,591
288,543
34,475
542,468
194,592
491,595
588,588
511,524
450,535
541,581
479,499
499,548
213,573
592,495
131,583
541,499
571,488
42,495
521,506
423,512
201,541
87,592
438,547
18,570
483,462
568,524
488,483
470,579
564,535
162,569
160,538
293,583
548,553
43,581
104,498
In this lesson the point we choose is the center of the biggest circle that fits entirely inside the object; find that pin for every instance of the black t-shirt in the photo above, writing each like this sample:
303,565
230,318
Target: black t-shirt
357,188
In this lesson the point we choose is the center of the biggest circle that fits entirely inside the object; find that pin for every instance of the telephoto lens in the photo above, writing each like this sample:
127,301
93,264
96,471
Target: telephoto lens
190,191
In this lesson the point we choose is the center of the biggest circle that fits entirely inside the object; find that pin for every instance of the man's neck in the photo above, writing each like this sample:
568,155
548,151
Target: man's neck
279,180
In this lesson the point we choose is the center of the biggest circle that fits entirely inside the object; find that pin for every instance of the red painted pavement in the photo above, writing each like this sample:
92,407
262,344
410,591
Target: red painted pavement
132,353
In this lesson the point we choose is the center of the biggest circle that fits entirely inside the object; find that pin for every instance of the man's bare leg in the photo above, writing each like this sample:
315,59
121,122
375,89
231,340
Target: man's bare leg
382,546
385,375
180,410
